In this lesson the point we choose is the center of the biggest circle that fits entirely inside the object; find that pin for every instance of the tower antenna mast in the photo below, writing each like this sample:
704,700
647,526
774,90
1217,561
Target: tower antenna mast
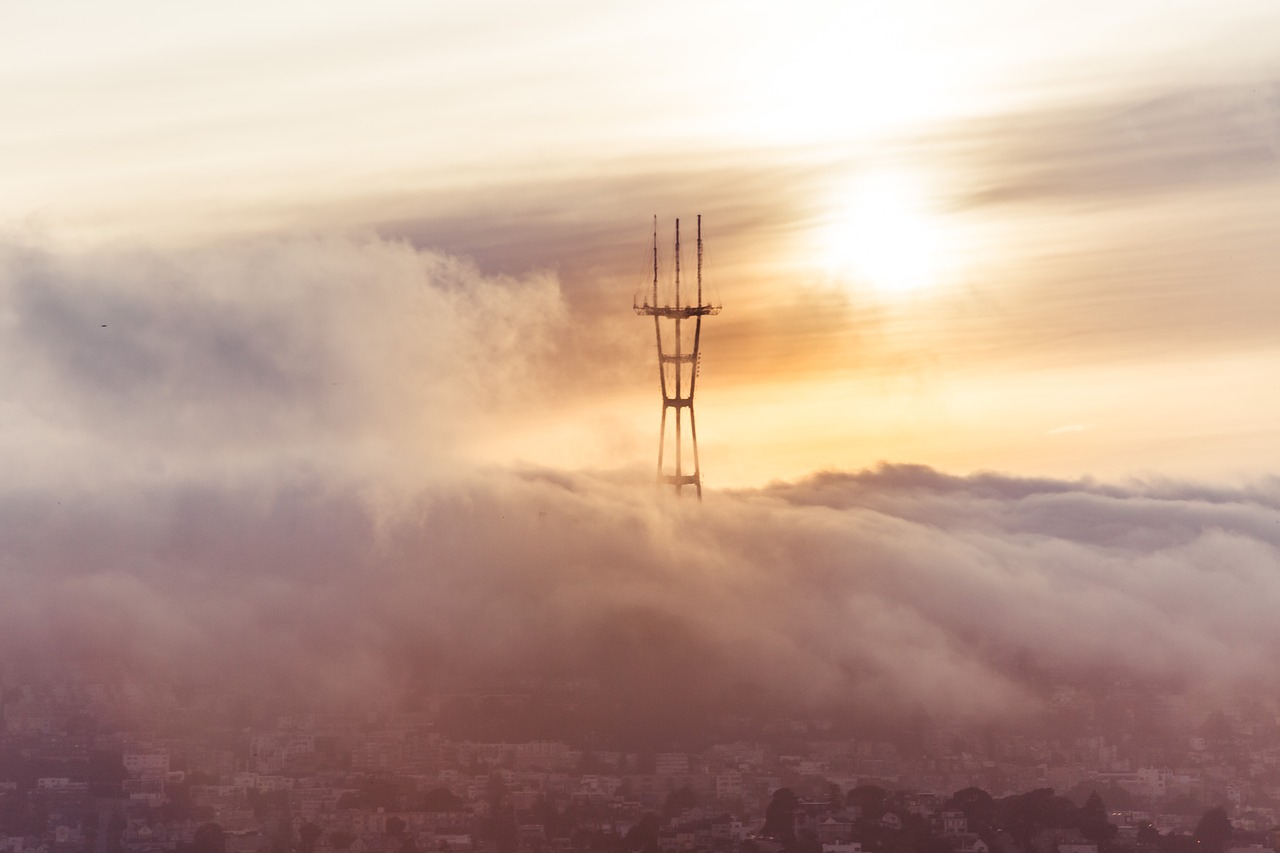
675,366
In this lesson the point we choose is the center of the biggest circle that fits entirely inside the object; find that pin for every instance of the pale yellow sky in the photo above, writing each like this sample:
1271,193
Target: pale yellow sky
167,115
989,235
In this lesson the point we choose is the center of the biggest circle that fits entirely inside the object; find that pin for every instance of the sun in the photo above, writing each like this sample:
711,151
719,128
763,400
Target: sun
882,235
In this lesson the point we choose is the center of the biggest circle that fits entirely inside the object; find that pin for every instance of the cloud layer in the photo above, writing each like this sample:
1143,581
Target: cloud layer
201,448
900,589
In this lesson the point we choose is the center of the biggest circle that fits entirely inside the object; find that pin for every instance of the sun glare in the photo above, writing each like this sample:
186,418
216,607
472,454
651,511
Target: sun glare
884,236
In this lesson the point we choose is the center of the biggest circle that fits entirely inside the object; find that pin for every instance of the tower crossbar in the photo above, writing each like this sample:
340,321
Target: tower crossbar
677,390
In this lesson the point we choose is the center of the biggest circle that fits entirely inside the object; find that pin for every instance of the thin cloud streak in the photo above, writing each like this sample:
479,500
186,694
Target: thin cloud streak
1120,152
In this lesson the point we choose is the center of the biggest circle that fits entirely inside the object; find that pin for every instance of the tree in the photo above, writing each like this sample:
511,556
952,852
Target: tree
546,814
808,842
1176,842
643,836
870,800
115,833
780,816
1148,835
1213,832
209,839
341,840
506,835
679,801
835,795
978,806
395,826
1023,814
308,835
1114,796
441,800
1091,820
1216,729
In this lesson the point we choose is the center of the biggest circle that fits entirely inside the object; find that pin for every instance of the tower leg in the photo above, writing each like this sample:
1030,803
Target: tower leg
697,469
662,440
679,466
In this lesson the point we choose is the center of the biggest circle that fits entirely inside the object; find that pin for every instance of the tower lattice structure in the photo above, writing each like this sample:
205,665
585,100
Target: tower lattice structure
677,365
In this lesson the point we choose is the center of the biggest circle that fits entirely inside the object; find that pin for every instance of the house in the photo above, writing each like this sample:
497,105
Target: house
671,764
727,828
843,847
954,823
831,831
969,842
1050,840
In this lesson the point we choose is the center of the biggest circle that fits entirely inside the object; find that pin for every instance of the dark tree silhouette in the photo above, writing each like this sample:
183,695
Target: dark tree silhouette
209,839
1216,728
870,799
1148,835
441,800
835,795
502,818
1091,820
1213,832
643,836
1178,843
679,801
978,806
546,814
395,826
808,842
115,833
1023,814
780,816
308,835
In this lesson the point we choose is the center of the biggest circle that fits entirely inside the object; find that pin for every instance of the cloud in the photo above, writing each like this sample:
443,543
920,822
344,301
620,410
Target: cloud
895,591
253,351
199,452
1111,153
1069,428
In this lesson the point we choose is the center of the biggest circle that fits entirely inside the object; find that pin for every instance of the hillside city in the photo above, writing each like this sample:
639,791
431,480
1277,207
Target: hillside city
92,769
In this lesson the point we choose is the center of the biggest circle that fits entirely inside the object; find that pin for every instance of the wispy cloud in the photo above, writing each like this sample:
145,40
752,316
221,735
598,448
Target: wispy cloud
1110,153
240,352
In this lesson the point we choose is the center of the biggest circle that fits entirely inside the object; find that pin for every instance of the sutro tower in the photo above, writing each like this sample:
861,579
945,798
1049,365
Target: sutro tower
678,369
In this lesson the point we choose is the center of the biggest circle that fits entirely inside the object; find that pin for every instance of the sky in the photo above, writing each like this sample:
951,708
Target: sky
967,236
354,286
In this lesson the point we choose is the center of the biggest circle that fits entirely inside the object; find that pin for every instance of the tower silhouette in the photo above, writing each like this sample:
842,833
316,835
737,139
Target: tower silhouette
677,369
